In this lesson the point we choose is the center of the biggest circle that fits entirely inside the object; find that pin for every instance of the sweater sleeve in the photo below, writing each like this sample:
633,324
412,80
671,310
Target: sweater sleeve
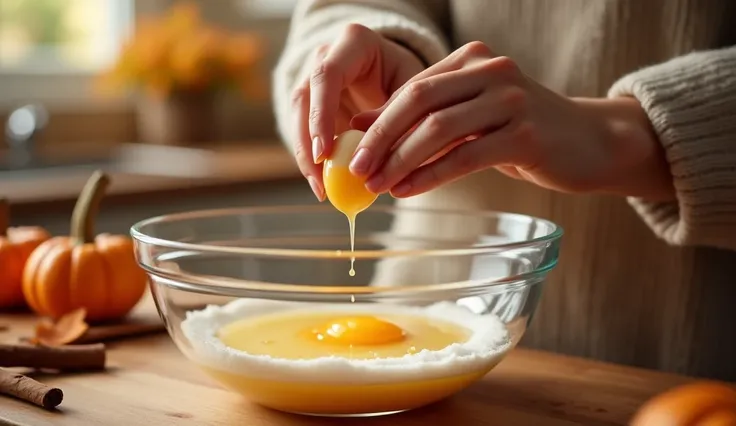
691,103
415,24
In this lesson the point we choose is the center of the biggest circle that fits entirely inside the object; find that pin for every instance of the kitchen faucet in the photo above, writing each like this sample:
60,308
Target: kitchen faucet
22,128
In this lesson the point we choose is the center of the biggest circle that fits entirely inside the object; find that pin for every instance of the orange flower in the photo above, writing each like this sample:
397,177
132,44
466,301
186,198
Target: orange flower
241,52
183,18
151,53
179,52
191,58
254,86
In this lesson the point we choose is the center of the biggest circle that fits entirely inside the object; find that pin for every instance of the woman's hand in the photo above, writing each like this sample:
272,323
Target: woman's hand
357,72
474,110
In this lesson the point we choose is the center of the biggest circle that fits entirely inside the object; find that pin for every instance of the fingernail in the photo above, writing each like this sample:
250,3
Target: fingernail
317,149
374,183
361,162
316,188
401,189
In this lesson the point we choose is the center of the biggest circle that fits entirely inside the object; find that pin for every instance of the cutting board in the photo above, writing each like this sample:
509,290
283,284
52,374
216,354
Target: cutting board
148,378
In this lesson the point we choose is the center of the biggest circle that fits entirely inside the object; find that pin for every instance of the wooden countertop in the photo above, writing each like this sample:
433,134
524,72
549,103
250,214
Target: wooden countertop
137,168
149,378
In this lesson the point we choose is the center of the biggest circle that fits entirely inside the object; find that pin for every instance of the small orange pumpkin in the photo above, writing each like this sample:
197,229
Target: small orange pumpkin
697,404
16,245
98,273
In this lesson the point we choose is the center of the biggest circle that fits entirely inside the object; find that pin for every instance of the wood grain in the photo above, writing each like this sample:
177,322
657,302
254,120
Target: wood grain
150,377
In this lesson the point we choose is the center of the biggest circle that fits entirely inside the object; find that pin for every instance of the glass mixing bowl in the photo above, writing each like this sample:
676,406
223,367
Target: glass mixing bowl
483,271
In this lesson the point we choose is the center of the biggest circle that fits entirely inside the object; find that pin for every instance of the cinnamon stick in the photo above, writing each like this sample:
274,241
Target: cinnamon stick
101,333
27,389
70,357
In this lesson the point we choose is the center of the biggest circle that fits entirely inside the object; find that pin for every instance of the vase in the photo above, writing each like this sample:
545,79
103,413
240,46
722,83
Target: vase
178,119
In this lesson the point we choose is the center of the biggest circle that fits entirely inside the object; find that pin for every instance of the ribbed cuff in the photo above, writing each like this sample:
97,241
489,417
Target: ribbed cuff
691,102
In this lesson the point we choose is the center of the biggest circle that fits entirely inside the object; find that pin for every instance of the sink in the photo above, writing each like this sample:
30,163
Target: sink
19,152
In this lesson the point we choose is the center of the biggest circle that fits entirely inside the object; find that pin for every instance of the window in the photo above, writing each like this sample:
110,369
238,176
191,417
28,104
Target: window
51,49
61,36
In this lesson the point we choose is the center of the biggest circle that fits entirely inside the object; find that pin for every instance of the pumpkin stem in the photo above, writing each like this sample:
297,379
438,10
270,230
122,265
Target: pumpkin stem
88,204
4,216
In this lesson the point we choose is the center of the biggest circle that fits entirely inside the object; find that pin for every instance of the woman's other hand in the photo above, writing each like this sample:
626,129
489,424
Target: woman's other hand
475,110
355,73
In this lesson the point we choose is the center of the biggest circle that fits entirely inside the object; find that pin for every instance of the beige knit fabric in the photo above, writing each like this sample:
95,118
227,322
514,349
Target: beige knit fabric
672,55
691,101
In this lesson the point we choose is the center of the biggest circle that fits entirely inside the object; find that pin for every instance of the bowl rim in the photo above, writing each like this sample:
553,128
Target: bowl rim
483,248
236,287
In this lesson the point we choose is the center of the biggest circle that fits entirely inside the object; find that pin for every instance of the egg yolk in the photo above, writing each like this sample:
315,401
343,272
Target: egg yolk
346,191
353,335
359,330
348,194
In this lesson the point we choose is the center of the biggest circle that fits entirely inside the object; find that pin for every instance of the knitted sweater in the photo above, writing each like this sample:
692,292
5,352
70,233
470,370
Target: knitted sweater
639,283
584,48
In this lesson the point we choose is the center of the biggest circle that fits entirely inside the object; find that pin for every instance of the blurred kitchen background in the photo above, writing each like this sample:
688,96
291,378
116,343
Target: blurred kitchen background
129,86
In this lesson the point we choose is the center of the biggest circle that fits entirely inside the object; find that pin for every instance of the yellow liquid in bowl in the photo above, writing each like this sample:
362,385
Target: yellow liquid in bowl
293,337
345,399
354,335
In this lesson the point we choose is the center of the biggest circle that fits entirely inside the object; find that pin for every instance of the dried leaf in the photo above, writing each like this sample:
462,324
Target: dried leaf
66,330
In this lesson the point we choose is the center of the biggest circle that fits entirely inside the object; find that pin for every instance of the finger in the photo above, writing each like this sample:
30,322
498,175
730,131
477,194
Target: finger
456,60
440,131
320,53
318,58
303,145
452,62
452,145
363,120
419,99
351,56
467,54
496,148
311,171
510,171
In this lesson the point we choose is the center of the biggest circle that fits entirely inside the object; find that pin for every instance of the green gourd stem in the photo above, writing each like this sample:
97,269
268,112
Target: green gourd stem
4,216
88,204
